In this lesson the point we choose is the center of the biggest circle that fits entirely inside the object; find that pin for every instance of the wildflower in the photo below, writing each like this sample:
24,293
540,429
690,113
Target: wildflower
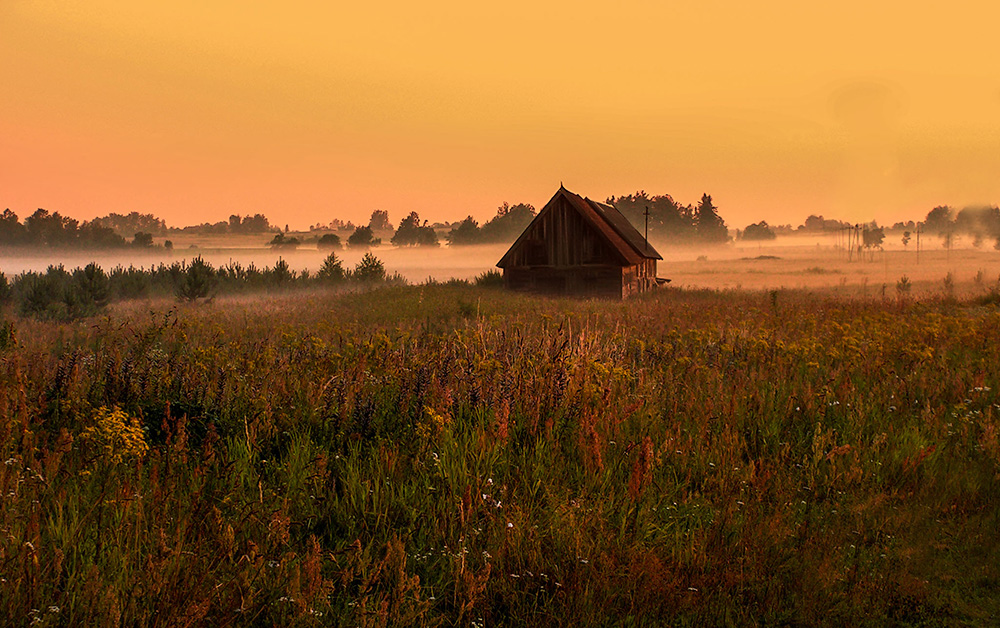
117,435
510,525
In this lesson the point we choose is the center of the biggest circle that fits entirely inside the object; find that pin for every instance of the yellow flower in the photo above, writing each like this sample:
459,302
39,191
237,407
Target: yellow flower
116,435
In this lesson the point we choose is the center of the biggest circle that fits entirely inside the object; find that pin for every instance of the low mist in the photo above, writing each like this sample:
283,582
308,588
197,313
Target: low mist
806,261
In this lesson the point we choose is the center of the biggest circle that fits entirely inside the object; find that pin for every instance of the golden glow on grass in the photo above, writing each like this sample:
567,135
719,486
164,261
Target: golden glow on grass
779,109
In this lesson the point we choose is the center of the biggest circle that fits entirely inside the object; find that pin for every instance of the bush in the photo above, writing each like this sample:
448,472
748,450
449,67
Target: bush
130,283
363,238
93,284
196,282
280,275
44,296
279,241
466,232
332,270
8,337
369,269
492,278
330,241
4,289
903,286
143,240
759,231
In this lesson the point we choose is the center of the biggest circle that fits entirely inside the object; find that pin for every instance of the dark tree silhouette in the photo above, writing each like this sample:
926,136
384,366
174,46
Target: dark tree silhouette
708,224
380,221
329,241
363,238
466,232
940,219
412,233
759,231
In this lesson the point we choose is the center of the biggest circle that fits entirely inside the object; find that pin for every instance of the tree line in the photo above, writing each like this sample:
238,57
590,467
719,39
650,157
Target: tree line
667,221
55,230
45,228
61,294
670,222
978,222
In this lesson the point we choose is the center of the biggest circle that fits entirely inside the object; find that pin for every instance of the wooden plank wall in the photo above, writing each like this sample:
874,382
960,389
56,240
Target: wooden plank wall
562,238
562,254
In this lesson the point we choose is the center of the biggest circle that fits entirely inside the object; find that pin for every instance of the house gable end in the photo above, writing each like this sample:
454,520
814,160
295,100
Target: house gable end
567,233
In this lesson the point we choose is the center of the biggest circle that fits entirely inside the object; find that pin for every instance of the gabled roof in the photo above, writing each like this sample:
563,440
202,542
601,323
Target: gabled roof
624,239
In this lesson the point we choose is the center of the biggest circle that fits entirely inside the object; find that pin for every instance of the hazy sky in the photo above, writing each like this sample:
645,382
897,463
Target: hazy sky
306,111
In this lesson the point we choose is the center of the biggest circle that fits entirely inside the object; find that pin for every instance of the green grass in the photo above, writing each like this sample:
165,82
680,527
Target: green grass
453,455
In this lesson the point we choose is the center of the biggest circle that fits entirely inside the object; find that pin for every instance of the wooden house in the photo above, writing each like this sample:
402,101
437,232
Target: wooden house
580,247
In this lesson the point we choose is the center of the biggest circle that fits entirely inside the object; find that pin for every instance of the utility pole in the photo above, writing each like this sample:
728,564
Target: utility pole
647,227
918,243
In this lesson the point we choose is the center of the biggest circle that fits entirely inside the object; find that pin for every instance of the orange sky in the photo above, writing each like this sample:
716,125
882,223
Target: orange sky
307,111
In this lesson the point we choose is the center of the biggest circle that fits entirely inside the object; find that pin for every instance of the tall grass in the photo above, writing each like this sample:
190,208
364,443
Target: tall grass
390,458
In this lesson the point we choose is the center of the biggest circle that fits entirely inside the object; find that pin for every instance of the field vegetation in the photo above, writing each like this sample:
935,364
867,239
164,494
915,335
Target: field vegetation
457,455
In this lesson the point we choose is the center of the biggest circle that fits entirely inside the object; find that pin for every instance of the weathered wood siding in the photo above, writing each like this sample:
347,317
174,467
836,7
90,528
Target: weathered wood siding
562,253
639,278
562,238
597,281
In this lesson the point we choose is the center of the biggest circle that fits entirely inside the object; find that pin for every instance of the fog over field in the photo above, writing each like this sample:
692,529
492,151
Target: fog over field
807,261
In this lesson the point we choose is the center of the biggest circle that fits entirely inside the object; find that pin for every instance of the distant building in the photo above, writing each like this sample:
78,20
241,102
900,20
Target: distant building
580,247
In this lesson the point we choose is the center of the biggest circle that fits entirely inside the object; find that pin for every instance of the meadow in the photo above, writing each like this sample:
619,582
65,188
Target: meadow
454,455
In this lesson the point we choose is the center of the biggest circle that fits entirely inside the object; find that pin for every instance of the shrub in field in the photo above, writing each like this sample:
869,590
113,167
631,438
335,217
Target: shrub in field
363,238
329,241
370,269
4,289
949,284
60,295
332,270
8,336
490,279
129,283
40,295
93,284
903,286
279,276
195,282
281,241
